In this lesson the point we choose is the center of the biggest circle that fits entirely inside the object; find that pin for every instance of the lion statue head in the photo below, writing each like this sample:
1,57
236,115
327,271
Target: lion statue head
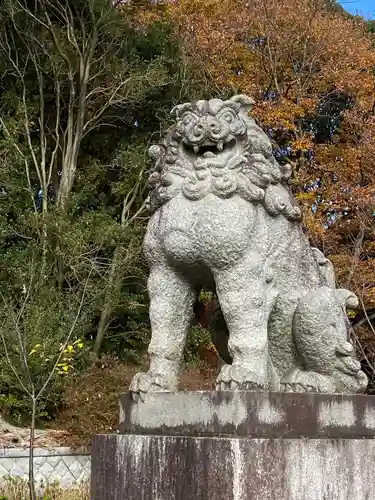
216,147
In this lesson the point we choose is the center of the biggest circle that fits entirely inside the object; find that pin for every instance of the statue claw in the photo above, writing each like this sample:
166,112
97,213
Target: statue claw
235,378
345,349
346,376
146,383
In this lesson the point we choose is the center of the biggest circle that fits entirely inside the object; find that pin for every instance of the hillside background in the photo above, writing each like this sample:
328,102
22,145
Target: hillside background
86,87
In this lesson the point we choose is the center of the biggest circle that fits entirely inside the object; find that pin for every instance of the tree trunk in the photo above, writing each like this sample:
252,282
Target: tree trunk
113,283
115,278
31,451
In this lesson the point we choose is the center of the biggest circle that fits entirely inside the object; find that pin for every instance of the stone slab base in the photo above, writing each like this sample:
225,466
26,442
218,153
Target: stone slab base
250,414
146,467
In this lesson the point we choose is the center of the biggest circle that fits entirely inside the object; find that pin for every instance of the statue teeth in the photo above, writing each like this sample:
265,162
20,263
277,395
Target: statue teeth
220,146
196,149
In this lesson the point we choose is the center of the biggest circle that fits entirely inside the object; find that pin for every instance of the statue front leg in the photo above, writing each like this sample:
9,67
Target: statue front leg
171,306
244,298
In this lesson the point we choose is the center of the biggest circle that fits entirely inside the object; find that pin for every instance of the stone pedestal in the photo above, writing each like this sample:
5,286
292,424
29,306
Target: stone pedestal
238,446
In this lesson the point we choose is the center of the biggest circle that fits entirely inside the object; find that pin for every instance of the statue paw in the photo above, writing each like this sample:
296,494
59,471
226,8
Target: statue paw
145,383
344,375
348,374
362,381
303,381
297,387
239,377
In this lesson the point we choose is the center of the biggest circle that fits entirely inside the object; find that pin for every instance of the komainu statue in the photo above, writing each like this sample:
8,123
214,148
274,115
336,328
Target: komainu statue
224,218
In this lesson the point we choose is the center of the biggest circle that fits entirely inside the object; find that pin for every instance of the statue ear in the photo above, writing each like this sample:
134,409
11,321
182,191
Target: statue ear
244,101
180,108
174,111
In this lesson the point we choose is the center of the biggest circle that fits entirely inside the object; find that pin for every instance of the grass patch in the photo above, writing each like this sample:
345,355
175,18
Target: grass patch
17,489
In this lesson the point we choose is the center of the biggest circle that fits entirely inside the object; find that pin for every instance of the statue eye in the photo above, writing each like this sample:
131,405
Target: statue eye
228,117
188,118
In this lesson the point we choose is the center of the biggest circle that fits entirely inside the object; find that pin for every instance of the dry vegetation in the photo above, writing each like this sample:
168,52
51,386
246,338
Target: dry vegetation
16,489
91,401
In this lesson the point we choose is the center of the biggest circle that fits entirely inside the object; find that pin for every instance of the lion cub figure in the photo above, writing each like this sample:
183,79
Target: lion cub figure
224,218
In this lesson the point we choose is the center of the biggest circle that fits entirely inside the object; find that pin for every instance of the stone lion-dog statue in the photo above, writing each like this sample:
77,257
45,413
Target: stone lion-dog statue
223,217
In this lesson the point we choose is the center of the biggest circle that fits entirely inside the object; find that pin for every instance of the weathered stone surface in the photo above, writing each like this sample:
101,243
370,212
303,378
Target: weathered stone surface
224,217
139,467
245,413
238,445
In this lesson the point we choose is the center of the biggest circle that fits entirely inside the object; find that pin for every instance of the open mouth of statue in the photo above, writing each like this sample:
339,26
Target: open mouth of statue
210,149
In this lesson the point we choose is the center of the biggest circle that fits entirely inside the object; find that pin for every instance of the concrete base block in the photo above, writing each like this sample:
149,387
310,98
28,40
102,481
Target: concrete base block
172,455
187,468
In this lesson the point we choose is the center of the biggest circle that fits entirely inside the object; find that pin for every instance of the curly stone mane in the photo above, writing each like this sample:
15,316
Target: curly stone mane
216,147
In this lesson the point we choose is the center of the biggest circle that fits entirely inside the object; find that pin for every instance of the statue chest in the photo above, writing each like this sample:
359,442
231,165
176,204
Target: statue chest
211,230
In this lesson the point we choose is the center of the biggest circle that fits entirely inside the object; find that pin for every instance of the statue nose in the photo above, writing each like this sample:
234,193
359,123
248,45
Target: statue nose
213,126
199,129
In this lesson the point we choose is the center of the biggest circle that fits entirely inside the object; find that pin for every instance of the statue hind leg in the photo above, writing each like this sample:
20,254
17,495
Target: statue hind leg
171,306
321,336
